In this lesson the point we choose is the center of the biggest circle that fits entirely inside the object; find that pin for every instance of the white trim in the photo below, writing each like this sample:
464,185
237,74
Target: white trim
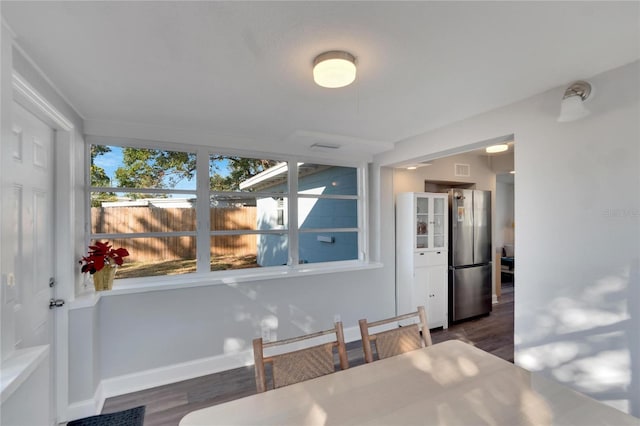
144,235
203,210
276,170
142,190
327,230
175,282
363,214
88,407
44,76
151,378
26,95
128,383
185,144
24,89
294,237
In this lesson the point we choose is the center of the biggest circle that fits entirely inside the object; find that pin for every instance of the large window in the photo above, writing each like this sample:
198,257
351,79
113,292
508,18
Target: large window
145,200
192,211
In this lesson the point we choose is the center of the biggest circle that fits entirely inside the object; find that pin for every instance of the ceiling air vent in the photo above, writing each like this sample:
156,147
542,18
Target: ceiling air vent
462,170
324,145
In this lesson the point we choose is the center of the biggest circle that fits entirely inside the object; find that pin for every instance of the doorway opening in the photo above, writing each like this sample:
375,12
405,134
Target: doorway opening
472,167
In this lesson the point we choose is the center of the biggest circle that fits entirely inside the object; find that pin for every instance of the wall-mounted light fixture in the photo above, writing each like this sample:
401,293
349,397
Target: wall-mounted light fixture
496,148
334,69
572,106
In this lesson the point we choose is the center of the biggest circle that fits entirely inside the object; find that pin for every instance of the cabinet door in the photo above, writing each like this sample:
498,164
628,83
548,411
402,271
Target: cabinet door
428,291
437,296
422,219
439,222
421,291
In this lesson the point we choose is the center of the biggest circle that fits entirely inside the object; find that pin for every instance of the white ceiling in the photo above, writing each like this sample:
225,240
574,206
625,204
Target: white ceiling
243,69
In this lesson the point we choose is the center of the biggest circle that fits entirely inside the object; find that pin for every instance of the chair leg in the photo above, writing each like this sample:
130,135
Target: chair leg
261,378
366,343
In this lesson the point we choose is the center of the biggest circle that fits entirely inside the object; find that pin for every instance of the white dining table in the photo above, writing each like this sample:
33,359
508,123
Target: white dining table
450,383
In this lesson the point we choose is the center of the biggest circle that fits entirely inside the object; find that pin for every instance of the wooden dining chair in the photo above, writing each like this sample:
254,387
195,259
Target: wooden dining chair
299,365
410,333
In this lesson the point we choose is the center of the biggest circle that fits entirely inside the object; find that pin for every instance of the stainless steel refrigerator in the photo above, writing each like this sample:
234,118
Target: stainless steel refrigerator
469,253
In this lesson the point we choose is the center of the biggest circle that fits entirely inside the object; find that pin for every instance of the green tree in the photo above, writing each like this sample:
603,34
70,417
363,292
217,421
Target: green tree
226,173
99,177
154,168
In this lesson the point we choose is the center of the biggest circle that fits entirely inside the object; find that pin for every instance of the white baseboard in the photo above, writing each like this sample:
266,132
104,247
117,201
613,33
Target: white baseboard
88,407
151,378
174,373
494,299
352,334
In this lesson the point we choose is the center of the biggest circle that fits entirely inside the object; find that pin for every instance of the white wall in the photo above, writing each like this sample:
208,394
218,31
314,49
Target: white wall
442,169
505,217
577,209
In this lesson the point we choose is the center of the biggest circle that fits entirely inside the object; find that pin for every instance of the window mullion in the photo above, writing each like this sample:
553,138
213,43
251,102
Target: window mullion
203,239
363,214
293,213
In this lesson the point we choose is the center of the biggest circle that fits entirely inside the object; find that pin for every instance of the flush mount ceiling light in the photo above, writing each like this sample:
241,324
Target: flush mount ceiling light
334,69
572,106
497,148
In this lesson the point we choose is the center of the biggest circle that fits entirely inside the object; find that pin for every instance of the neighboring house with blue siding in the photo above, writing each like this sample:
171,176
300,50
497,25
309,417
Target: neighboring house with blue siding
325,212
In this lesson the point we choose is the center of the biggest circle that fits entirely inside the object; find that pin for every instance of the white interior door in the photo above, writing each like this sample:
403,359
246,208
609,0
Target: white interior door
30,236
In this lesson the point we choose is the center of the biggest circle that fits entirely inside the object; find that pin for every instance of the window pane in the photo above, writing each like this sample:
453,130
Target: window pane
126,167
229,173
328,246
327,213
248,251
236,211
329,180
156,256
142,215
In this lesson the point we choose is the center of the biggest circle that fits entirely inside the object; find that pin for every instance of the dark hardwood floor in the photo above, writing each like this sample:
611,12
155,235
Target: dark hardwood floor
166,405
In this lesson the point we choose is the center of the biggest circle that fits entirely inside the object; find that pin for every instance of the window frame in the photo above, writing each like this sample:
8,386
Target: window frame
203,231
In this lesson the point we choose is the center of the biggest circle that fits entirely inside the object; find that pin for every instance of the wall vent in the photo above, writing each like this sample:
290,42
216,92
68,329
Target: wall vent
462,170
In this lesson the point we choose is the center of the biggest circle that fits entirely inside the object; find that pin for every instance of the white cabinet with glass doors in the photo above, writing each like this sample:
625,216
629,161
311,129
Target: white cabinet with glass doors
421,255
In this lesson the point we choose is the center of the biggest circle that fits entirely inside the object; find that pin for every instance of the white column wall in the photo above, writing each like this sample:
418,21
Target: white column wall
577,209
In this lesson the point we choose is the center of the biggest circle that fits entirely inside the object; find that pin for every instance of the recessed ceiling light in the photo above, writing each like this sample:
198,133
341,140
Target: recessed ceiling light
513,172
334,69
497,148
412,168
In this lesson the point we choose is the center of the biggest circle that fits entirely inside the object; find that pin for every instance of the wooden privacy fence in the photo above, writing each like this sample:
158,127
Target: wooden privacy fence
124,220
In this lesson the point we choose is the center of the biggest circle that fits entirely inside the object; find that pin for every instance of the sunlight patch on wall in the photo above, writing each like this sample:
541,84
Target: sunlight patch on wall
577,315
550,355
600,373
233,345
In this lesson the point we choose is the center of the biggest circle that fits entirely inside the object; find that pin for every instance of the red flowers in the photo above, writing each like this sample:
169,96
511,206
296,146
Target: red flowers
102,254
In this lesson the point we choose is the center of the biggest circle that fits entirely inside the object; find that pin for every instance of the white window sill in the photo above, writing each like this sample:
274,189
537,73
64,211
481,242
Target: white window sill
173,282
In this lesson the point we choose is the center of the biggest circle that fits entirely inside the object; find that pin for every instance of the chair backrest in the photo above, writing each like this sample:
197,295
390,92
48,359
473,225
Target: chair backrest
405,337
296,366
